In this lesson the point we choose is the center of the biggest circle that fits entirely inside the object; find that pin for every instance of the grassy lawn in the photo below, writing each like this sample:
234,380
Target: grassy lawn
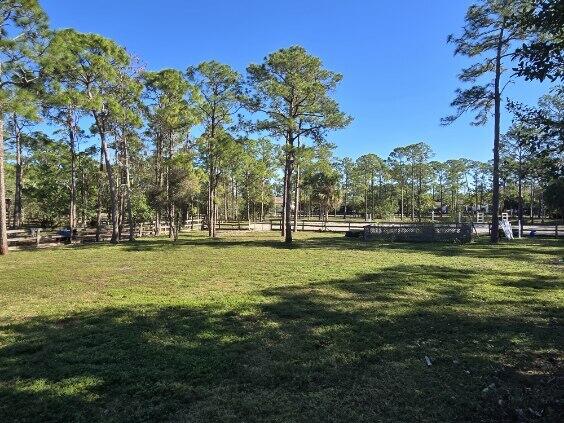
243,329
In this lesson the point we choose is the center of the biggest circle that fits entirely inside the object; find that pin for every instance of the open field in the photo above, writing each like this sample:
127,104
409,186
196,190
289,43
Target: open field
244,329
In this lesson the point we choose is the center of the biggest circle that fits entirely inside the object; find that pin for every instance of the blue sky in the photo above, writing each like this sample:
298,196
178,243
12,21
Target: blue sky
399,73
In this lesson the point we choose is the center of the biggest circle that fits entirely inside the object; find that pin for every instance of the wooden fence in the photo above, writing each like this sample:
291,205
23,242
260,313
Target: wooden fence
321,226
46,237
539,230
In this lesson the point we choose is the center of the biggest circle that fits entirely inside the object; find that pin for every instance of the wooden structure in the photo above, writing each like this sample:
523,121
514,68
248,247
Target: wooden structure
419,232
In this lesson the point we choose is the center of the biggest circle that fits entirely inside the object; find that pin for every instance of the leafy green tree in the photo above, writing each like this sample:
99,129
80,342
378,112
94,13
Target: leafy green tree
22,26
218,100
455,171
438,182
418,156
47,180
541,56
184,182
265,169
479,172
64,107
94,69
371,168
48,168
347,168
518,159
292,90
398,165
325,188
256,168
170,115
554,195
544,124
489,34
24,114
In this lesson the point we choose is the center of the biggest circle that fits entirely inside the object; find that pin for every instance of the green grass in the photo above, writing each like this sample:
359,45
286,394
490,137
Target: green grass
244,329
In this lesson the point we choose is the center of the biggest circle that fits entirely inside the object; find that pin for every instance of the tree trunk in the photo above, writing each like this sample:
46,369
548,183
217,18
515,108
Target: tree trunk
3,217
211,201
99,197
541,208
158,181
83,190
497,121
111,182
372,204
365,203
520,189
402,201
290,158
297,195
128,190
442,199
412,192
532,215
170,204
345,199
121,194
283,211
72,144
19,177
262,201
419,192
476,192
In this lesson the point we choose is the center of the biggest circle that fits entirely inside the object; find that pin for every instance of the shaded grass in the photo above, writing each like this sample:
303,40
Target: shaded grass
245,329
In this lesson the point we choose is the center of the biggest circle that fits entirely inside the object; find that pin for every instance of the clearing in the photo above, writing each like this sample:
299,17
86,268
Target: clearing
244,329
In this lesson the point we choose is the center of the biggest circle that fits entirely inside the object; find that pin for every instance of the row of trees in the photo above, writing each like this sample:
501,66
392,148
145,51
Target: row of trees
408,183
91,133
508,39
86,86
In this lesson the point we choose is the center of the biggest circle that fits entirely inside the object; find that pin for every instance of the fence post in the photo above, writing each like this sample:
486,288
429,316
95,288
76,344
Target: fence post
519,228
556,230
349,226
38,236
303,225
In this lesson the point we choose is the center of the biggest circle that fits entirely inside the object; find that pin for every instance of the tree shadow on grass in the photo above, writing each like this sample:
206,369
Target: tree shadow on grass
515,250
480,249
343,350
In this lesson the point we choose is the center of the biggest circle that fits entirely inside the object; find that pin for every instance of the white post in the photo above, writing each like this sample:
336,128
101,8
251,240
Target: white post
459,217
432,215
519,229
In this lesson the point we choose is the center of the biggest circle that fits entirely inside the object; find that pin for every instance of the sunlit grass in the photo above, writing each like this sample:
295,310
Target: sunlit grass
243,328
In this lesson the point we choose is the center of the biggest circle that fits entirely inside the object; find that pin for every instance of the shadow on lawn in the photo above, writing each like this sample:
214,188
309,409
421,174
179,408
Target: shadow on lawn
480,249
342,350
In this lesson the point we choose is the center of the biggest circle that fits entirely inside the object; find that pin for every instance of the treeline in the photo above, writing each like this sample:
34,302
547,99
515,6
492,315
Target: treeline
119,140
92,135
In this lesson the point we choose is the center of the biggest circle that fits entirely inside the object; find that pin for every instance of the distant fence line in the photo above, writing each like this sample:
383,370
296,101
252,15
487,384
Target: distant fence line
478,228
45,237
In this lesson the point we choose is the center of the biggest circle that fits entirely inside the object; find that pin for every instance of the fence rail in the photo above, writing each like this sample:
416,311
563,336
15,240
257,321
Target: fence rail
40,237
